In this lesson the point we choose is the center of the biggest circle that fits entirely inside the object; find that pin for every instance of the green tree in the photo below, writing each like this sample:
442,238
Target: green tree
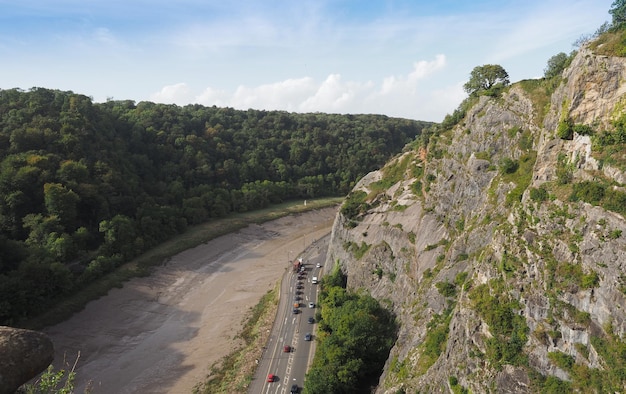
618,12
61,202
119,234
354,337
486,77
508,165
556,65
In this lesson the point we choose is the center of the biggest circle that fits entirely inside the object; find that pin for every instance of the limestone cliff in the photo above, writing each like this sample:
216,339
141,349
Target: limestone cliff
500,246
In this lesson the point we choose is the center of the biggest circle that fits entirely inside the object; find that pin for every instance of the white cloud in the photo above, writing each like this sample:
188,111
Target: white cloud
408,84
398,95
424,68
104,36
334,95
286,95
178,93
211,96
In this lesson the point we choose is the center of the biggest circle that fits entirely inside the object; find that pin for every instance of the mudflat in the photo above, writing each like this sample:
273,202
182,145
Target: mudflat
160,334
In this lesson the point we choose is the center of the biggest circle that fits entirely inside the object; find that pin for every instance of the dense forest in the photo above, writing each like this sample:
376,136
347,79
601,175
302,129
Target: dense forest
353,340
87,186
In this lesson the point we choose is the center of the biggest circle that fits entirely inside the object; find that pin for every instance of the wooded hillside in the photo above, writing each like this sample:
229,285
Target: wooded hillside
85,187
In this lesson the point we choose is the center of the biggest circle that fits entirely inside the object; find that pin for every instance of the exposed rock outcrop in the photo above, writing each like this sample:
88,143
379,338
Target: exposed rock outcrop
23,355
499,288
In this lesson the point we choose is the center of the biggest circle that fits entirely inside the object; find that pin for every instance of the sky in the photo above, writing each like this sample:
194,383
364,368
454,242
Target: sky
401,58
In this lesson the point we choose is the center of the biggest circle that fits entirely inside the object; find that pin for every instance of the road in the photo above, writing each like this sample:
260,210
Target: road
290,328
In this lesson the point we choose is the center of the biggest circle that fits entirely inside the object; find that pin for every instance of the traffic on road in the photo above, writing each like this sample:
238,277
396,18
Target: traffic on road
291,347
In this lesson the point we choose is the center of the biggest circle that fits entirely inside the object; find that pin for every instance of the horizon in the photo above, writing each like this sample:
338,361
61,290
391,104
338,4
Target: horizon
403,59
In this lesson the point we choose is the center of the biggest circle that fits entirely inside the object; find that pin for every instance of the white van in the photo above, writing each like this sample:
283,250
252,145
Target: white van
314,280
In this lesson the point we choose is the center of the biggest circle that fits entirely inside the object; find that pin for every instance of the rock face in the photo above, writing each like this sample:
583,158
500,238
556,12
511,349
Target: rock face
23,355
500,281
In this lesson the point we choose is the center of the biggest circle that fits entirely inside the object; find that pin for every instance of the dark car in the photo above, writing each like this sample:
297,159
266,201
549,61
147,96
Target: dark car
308,336
296,311
295,389
311,320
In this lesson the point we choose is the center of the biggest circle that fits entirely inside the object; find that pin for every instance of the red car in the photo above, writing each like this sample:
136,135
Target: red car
286,348
271,377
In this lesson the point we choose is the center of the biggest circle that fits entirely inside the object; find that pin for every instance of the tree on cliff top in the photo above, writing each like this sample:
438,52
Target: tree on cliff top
486,77
618,12
556,64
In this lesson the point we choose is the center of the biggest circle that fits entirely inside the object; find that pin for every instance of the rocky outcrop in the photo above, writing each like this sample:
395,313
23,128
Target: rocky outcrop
24,354
499,288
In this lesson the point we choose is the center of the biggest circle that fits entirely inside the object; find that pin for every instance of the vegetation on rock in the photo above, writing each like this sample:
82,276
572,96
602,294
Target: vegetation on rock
353,340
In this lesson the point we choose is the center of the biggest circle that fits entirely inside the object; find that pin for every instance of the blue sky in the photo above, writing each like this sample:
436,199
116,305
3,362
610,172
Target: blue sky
399,58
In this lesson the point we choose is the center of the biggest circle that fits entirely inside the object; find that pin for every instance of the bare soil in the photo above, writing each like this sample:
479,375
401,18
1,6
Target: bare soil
160,334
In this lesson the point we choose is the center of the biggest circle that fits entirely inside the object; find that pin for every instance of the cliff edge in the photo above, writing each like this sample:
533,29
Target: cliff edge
500,244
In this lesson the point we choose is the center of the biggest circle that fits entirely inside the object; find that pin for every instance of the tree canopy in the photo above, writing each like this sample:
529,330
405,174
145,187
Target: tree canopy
354,338
486,77
556,65
618,13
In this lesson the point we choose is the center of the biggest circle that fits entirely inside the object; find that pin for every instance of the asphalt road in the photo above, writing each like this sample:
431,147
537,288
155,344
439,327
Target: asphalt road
290,328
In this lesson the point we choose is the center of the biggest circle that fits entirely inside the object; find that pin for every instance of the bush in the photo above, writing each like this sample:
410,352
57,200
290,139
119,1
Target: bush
561,360
508,328
583,129
588,191
590,280
538,194
615,201
446,289
556,65
508,165
565,130
354,205
563,170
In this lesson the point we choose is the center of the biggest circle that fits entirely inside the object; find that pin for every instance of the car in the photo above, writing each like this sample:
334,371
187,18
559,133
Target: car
299,287
286,349
318,265
296,305
295,389
271,378
314,280
296,311
311,305
311,320
296,298
308,336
